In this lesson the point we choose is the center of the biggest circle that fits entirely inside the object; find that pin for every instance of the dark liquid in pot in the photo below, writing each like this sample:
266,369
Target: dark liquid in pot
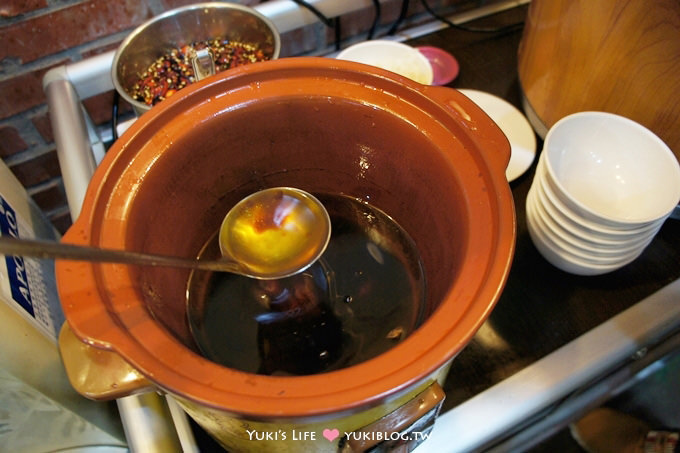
364,296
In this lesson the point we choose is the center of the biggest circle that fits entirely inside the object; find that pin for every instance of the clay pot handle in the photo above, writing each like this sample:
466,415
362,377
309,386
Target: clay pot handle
479,126
98,374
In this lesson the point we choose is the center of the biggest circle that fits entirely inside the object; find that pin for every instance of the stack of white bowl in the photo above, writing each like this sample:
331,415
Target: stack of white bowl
604,185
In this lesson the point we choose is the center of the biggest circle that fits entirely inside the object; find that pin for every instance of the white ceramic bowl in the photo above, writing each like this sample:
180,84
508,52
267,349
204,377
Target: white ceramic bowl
604,185
583,226
566,261
572,246
586,247
563,225
587,221
392,56
611,169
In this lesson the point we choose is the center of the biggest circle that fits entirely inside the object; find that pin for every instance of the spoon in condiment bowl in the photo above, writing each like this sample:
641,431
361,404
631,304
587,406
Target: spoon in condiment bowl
271,234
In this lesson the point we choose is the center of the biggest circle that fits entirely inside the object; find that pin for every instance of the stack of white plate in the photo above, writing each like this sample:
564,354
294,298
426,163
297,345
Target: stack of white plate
604,186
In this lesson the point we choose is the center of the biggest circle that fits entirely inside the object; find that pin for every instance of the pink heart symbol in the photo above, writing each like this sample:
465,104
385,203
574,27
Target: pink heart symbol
331,434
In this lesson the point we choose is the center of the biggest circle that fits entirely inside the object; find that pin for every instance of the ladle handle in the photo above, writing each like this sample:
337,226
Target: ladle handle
57,250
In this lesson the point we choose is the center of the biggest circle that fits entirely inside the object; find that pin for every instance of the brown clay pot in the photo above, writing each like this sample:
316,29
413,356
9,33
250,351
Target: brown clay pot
427,156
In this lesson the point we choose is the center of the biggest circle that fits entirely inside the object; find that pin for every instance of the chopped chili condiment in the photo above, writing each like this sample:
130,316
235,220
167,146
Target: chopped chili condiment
173,71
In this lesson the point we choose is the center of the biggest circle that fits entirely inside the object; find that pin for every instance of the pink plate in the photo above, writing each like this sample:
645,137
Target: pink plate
444,65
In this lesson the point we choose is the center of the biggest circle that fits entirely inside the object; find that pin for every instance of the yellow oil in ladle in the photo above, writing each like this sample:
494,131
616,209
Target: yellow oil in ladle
271,234
275,233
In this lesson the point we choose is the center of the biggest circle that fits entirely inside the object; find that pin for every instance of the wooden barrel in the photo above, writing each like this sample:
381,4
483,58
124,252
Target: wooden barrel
619,56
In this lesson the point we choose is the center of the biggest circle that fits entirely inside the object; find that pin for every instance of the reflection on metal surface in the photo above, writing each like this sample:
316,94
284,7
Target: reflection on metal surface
148,424
203,63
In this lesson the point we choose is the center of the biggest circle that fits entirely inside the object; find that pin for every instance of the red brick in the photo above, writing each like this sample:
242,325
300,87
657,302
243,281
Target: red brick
99,107
51,197
359,22
172,4
16,7
38,169
100,50
298,41
356,23
22,92
69,27
10,141
44,127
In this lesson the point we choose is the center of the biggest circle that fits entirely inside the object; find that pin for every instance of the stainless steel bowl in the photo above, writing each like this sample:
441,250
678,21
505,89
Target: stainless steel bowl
185,25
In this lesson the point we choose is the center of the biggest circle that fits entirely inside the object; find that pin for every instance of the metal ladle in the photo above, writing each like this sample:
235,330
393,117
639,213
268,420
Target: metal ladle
271,234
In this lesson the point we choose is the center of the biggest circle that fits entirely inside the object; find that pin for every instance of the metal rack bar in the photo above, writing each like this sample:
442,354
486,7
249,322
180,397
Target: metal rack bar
491,415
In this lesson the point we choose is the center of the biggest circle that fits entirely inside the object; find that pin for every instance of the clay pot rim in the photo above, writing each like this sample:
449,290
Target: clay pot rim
385,377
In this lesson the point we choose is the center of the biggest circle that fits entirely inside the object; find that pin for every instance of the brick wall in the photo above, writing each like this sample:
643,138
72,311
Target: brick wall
37,35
